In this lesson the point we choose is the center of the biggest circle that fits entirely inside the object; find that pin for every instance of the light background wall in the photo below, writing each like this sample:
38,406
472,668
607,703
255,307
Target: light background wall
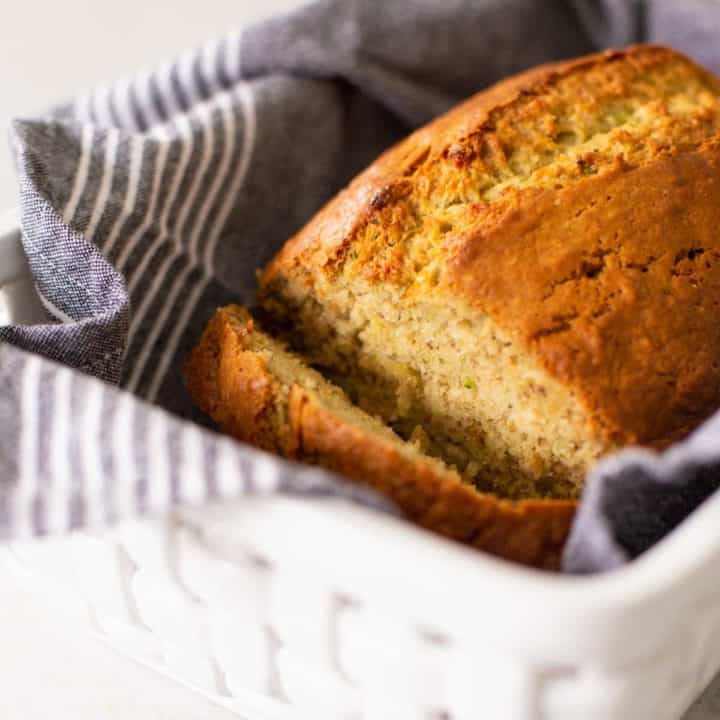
52,49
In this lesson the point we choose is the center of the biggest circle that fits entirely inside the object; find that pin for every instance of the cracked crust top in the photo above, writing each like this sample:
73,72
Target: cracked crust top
618,293
577,205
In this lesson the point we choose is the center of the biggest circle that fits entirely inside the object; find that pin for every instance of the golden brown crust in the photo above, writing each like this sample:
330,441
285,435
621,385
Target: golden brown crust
232,384
608,281
333,226
621,304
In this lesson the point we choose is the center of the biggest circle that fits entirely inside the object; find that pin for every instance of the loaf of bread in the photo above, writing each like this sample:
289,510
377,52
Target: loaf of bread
532,279
524,285
259,393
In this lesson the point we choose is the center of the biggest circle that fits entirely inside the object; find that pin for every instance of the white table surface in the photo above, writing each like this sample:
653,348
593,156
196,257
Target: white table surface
53,670
48,669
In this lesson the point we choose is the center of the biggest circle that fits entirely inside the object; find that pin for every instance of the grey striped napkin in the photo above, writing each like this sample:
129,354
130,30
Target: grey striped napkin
147,203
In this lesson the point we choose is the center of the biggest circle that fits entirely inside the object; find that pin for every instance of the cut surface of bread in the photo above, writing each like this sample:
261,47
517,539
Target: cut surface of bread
532,278
260,393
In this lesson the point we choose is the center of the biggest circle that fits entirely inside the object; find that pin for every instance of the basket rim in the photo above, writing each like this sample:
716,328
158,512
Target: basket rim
472,591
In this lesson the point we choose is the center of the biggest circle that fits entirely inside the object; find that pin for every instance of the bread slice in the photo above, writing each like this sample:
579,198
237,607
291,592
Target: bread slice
532,278
259,393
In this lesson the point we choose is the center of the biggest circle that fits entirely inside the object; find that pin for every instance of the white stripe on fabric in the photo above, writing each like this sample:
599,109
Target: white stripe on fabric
192,485
124,502
164,82
186,147
101,106
178,330
265,474
158,491
81,108
137,111
143,90
247,103
232,55
229,479
210,65
111,147
28,449
224,102
123,104
60,485
181,123
186,76
91,460
179,282
199,180
137,150
133,184
55,311
81,174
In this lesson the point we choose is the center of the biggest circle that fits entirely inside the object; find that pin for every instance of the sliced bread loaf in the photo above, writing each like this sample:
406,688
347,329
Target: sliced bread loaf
260,393
532,278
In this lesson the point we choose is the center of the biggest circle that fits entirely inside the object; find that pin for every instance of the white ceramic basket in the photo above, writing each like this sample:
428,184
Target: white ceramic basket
287,608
